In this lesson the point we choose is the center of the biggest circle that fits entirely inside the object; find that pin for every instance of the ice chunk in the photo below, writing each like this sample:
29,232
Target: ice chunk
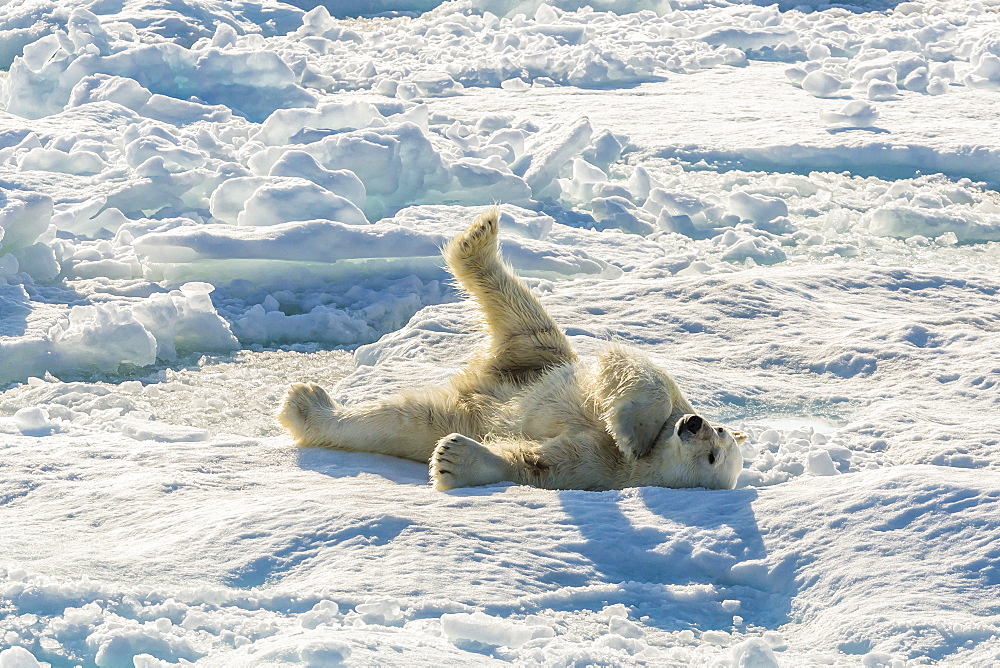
587,180
131,95
881,90
324,653
585,172
327,324
757,249
52,160
757,208
937,86
24,215
527,223
820,463
917,80
640,183
818,51
175,154
105,268
380,610
620,213
752,573
515,84
100,337
18,657
405,90
476,181
9,266
718,638
317,20
821,84
254,82
901,221
289,199
38,261
145,430
754,653
986,73
185,320
230,197
397,164
611,611
542,163
854,114
84,29
485,629
323,612
532,258
342,182
35,54
117,645
675,204
233,74
985,61
311,241
88,217
796,74
33,421
625,628
604,149
282,125
433,83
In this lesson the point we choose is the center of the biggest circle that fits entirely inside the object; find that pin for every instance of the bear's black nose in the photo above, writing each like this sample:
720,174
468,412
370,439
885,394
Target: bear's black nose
692,424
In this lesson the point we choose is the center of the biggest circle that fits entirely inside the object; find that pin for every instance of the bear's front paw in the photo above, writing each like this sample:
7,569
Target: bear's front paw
458,461
304,403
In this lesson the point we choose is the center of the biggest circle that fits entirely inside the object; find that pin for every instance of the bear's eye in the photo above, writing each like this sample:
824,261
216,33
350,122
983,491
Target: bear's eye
711,459
719,430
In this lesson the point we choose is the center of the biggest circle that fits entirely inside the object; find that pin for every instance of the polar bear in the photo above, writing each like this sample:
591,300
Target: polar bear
525,409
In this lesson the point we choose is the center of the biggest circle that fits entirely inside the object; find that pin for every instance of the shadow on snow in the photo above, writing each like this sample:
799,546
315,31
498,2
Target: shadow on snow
677,570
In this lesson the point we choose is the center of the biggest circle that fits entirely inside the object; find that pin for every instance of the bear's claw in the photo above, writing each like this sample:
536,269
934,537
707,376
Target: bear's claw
480,237
459,461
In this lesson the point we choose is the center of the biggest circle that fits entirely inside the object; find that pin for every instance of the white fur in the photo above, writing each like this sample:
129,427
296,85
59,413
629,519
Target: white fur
525,409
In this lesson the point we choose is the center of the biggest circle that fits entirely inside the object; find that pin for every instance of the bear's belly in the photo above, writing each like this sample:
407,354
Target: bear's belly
554,404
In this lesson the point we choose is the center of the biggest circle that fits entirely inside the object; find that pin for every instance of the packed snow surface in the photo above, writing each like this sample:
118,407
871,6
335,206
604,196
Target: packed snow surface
792,207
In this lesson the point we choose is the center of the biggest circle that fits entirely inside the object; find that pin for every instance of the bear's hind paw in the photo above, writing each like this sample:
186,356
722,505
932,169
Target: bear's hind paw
303,404
459,461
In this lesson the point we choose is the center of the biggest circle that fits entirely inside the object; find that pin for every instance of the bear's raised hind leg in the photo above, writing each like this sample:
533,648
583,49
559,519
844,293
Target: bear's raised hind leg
524,339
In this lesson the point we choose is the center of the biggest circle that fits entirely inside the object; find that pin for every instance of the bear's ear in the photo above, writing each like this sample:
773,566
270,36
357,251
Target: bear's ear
740,437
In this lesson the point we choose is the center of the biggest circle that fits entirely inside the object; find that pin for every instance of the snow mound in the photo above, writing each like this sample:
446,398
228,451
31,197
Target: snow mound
855,114
484,629
103,337
898,220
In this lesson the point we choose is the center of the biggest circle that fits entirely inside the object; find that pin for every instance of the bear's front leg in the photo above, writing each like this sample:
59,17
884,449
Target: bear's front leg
458,461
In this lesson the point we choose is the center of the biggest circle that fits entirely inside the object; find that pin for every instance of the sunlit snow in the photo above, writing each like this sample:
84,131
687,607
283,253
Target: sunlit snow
792,207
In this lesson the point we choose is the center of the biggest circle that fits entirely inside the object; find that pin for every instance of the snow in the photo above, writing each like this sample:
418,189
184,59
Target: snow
854,114
793,208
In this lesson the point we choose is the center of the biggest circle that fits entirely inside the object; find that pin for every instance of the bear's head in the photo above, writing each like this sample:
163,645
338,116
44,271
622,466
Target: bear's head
703,455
